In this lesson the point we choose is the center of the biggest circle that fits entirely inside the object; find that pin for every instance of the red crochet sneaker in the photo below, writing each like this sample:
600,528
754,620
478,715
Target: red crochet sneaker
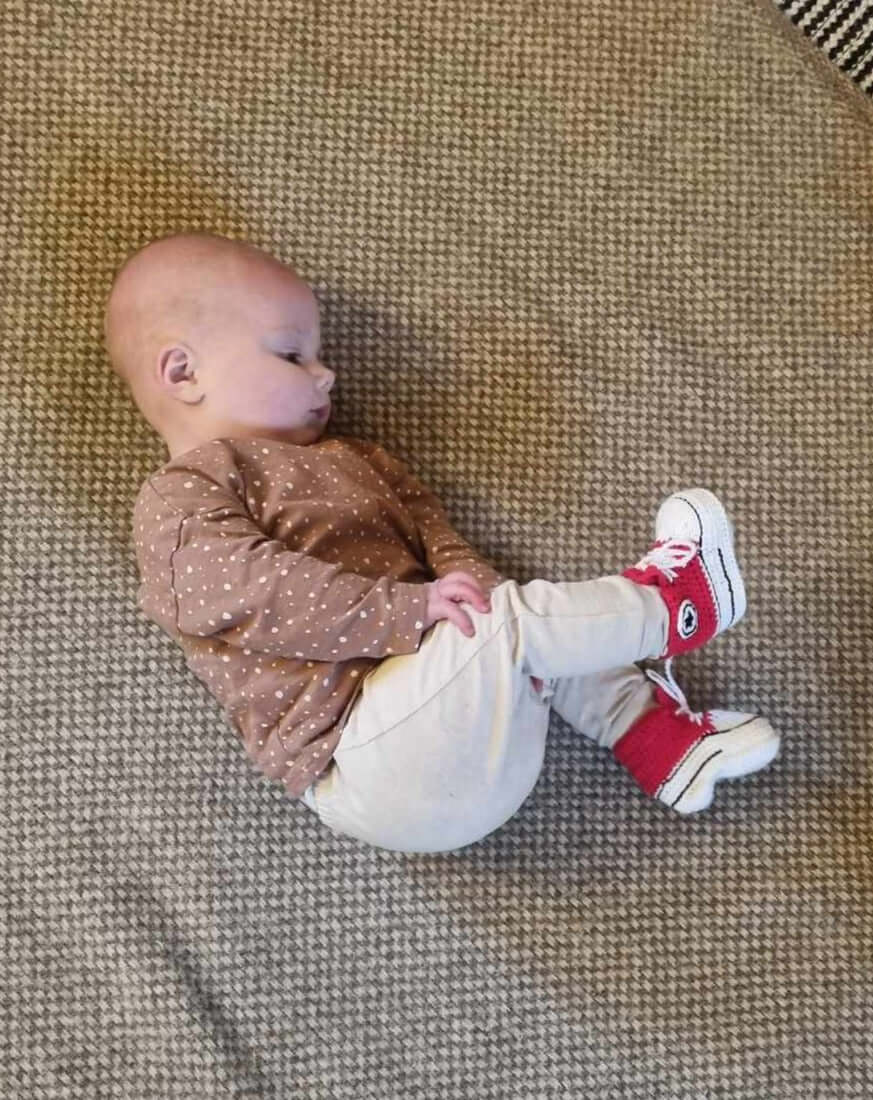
693,565
678,756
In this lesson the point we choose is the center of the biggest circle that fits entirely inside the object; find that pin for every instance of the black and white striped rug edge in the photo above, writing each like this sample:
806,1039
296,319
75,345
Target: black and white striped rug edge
843,29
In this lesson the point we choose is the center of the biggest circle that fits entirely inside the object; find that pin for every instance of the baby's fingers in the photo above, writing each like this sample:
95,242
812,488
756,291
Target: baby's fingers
464,586
461,619
474,595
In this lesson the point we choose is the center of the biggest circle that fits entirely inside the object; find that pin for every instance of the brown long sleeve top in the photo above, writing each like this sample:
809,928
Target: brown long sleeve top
286,573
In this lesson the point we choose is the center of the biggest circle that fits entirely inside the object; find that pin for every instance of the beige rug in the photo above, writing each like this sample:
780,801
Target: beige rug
571,257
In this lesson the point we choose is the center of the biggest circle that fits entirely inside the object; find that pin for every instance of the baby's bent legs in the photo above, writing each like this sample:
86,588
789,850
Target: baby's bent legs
445,744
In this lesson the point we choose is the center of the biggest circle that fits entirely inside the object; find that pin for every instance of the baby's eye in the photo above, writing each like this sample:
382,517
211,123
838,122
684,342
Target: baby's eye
293,357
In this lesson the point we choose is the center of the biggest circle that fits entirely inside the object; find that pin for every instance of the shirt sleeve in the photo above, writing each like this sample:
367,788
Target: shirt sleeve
231,581
446,550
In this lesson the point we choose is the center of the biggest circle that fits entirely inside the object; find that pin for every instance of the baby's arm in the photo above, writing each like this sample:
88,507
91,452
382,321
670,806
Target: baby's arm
445,549
232,582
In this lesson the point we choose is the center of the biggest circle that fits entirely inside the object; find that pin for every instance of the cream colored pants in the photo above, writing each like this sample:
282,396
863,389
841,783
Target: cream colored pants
444,745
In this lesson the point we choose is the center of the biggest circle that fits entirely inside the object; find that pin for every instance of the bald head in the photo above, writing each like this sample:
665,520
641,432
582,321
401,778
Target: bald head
171,289
215,337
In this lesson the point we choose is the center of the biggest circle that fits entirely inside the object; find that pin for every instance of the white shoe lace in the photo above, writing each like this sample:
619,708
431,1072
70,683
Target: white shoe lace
669,557
669,685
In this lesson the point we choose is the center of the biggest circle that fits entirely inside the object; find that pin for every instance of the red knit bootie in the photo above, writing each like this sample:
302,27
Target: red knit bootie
678,756
693,565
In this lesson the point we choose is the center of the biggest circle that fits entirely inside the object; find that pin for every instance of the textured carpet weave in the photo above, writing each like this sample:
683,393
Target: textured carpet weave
571,257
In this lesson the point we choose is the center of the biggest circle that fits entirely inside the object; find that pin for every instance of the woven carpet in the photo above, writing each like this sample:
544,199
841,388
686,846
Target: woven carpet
571,257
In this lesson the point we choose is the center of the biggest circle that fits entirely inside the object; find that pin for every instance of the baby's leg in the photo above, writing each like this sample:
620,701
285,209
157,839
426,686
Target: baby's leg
603,705
572,628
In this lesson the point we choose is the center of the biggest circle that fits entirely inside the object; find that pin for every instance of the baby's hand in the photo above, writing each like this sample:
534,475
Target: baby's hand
444,594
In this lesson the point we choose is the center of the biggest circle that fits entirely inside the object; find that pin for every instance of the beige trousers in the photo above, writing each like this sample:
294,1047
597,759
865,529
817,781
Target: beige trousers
444,745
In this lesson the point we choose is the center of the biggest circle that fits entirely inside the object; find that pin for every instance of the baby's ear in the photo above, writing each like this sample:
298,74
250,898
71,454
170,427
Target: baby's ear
173,362
176,375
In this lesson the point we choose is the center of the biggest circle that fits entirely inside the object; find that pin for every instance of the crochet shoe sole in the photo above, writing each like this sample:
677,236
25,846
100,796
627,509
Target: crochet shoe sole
698,514
740,751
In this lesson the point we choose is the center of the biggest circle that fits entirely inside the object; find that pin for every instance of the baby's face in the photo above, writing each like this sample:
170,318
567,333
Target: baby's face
257,370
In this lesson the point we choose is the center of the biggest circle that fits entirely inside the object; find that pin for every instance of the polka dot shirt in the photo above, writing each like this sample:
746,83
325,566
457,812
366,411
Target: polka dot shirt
287,573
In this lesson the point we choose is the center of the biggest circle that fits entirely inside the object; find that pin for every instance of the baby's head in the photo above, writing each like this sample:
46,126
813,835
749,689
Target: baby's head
216,338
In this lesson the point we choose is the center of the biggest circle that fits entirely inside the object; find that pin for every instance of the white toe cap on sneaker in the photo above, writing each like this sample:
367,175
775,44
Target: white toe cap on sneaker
747,744
698,515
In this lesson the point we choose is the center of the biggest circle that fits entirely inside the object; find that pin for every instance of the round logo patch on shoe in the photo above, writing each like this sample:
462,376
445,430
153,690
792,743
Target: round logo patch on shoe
687,620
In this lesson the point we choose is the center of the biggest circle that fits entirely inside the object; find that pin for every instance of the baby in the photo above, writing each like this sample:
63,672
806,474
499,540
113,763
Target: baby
370,658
